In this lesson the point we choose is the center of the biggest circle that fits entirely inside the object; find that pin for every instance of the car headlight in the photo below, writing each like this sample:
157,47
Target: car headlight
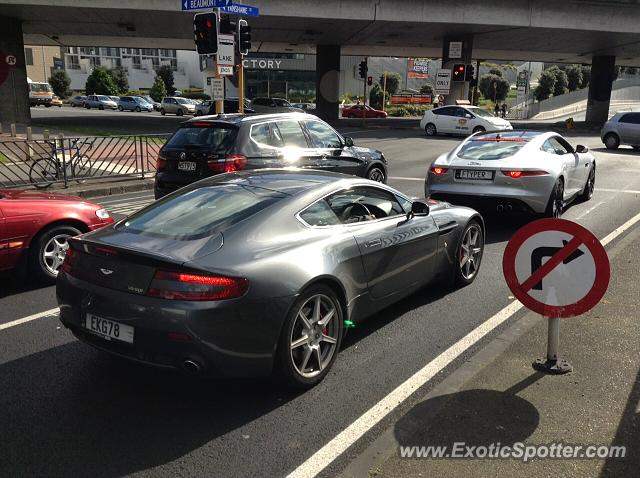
102,214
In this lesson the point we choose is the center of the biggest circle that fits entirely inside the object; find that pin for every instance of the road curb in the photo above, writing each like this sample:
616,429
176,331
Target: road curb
108,189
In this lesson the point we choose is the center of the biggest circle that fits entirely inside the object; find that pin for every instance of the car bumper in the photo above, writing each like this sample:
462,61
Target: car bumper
526,194
232,338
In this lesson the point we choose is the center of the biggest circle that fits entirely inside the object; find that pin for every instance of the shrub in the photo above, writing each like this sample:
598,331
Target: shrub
100,82
158,90
487,89
546,84
60,83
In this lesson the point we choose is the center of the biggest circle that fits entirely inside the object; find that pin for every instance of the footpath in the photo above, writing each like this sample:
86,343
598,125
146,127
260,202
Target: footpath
496,398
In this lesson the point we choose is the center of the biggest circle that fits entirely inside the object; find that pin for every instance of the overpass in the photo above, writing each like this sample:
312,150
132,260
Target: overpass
597,32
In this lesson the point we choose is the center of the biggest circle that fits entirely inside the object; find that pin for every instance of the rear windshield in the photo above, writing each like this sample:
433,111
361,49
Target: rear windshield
491,148
218,139
200,212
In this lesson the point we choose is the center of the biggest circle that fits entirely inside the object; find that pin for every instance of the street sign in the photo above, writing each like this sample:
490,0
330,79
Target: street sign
455,49
226,51
11,60
443,82
217,89
188,5
244,10
556,268
225,70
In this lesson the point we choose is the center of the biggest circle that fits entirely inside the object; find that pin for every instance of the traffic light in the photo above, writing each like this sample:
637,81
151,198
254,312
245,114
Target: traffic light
205,33
458,73
363,68
370,80
244,37
227,27
470,73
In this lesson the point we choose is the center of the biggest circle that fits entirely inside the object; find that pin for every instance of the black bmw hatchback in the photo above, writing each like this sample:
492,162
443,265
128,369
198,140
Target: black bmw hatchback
210,145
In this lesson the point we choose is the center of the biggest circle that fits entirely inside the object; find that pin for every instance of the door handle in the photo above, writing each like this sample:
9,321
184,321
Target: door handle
373,243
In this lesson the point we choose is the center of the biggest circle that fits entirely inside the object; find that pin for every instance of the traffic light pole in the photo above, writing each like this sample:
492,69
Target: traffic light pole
219,103
241,86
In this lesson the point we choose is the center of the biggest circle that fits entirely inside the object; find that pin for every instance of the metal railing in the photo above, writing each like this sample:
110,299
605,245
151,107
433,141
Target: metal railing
41,163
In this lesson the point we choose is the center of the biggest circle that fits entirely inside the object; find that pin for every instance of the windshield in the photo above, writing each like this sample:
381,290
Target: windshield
480,112
40,87
281,102
104,98
485,148
183,101
201,212
216,138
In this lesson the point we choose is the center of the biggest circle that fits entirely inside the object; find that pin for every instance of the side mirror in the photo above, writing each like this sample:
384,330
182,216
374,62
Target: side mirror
418,208
348,141
581,149
468,115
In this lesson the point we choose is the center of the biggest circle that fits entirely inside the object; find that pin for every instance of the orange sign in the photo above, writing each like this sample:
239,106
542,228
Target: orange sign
411,99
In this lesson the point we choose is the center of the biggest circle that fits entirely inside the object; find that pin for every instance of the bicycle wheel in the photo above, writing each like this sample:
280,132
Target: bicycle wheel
81,168
43,173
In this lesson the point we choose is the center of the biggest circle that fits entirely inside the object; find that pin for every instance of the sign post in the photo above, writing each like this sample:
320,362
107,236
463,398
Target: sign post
443,82
558,269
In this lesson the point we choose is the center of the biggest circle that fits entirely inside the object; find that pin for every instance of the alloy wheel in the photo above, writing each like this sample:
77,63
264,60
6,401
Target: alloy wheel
54,251
314,336
471,252
558,200
376,174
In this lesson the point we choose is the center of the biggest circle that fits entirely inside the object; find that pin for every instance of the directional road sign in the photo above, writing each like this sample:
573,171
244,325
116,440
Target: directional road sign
556,267
443,82
188,5
226,50
244,10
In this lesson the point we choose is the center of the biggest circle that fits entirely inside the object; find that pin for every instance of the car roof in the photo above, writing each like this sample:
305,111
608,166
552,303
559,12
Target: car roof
238,119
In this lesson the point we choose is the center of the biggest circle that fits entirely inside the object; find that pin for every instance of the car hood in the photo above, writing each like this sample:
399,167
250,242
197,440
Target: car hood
37,196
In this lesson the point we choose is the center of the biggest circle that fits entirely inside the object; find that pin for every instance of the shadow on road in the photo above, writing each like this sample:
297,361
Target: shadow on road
626,151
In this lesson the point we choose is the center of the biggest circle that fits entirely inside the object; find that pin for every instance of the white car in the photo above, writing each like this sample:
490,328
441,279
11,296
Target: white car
463,120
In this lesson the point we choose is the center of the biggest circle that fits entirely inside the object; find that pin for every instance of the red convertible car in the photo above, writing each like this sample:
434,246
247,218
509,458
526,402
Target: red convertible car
359,111
35,226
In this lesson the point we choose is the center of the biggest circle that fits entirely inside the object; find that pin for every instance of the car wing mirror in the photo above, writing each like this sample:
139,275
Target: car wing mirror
418,208
348,141
581,149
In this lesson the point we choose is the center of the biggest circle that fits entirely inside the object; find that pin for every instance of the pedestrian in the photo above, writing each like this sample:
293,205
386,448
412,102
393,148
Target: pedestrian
504,110
496,110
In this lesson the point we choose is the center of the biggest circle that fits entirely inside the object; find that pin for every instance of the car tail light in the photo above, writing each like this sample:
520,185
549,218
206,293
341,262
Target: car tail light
228,164
184,286
515,174
438,170
70,261
161,162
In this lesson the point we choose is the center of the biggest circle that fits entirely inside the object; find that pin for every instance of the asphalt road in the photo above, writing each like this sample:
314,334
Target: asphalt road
68,410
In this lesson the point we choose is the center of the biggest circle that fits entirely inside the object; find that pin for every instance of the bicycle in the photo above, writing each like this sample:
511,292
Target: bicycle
49,169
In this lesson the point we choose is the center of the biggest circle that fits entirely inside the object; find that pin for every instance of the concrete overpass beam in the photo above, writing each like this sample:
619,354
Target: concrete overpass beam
14,92
328,81
602,71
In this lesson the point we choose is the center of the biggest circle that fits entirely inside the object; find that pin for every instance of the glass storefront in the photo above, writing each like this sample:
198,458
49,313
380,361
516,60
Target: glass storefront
292,85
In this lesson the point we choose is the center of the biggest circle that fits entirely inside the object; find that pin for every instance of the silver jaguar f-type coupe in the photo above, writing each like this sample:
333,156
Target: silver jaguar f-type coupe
261,271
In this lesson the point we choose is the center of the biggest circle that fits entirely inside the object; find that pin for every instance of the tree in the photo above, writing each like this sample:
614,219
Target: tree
426,89
560,87
631,70
375,96
166,73
393,82
586,76
158,90
495,71
100,82
60,83
119,75
574,76
497,93
546,84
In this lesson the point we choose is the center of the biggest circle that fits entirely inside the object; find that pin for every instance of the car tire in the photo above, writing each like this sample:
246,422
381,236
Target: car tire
611,141
87,106
120,108
162,111
138,110
180,112
587,192
478,129
305,342
48,250
73,105
470,249
555,206
430,129
197,113
101,107
376,173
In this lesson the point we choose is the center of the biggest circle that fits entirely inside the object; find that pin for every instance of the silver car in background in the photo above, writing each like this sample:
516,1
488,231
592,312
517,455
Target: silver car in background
622,128
101,102
513,171
177,105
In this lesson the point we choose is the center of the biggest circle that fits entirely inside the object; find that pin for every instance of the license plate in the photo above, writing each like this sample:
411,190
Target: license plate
474,174
187,165
108,329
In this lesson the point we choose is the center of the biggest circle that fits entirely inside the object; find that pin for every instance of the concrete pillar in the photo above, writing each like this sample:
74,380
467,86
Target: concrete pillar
602,72
459,90
328,81
14,92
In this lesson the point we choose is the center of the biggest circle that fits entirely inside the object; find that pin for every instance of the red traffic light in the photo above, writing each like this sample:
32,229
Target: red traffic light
210,24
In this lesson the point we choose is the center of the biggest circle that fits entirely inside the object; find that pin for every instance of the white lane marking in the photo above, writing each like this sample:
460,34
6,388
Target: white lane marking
346,438
23,320
628,191
590,210
402,178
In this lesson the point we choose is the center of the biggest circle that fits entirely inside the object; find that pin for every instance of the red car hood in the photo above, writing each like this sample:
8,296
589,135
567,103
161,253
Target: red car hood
36,195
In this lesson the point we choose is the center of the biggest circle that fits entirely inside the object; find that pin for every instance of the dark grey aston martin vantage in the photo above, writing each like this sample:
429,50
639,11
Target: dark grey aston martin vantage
256,272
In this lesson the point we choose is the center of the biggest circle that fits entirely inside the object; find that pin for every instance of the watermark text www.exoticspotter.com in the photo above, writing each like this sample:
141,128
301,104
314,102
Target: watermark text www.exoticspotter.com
516,451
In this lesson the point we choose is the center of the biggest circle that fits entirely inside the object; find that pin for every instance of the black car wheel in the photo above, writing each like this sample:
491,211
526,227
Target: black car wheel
556,200
469,254
49,249
138,110
180,112
162,111
311,337
587,192
376,174
430,129
478,129
611,141
120,108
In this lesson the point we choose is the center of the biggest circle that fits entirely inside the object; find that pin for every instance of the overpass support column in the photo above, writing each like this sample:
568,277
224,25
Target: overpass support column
461,49
328,81
14,92
602,71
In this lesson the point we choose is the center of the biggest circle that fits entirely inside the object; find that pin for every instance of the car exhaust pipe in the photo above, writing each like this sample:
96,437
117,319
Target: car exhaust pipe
500,208
191,367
